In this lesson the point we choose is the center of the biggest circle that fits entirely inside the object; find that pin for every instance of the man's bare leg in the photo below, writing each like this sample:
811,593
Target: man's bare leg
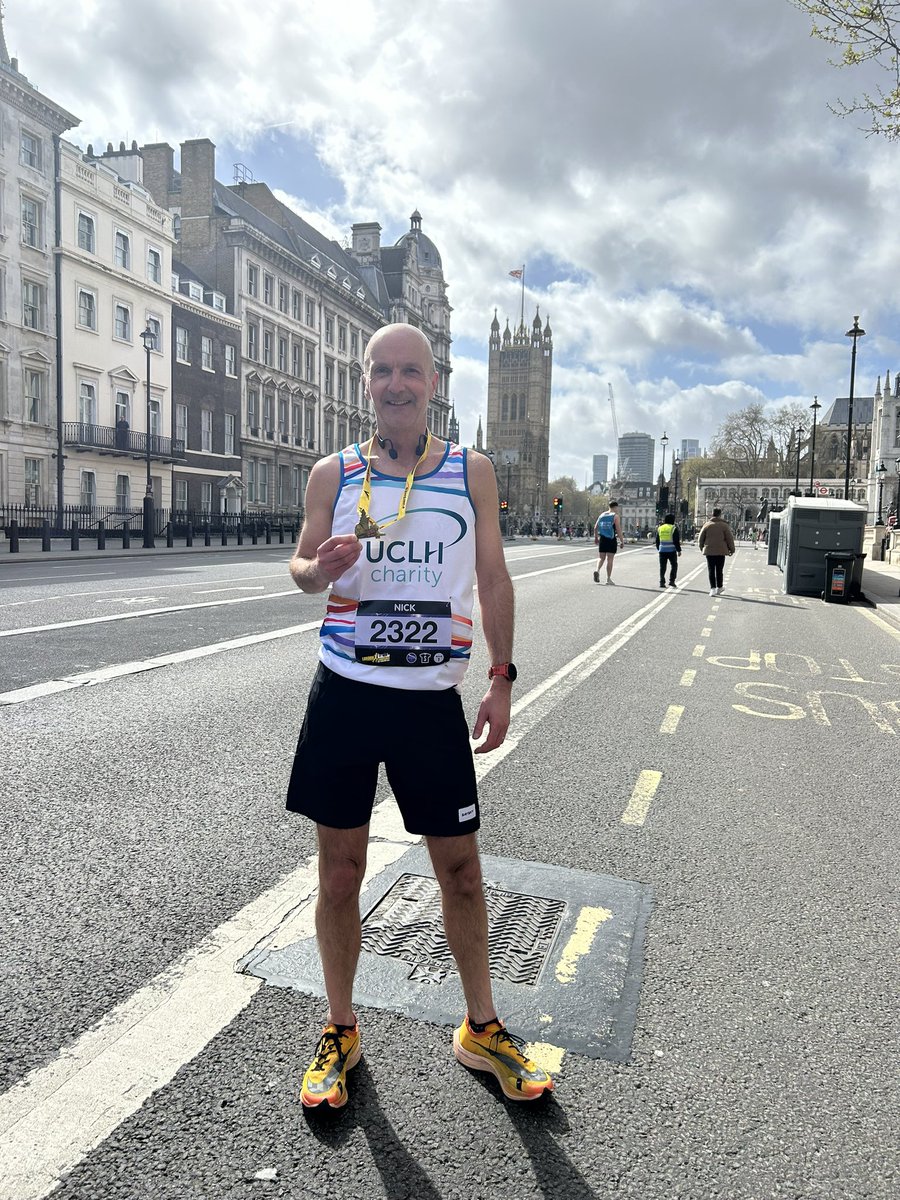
458,871
342,865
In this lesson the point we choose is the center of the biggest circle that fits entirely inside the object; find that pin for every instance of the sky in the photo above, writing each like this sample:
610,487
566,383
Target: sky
697,225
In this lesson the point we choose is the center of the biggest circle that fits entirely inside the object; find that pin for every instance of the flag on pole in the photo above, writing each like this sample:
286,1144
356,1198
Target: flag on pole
517,273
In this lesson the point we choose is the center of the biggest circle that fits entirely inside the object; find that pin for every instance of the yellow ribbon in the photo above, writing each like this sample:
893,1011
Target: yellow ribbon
365,496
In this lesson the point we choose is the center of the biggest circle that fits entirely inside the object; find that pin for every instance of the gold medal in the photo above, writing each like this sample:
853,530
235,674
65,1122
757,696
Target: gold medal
366,527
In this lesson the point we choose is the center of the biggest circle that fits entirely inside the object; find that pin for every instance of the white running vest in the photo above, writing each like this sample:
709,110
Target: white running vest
402,615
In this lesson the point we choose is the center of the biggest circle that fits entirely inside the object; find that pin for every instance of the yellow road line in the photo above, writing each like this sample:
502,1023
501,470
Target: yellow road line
699,651
711,617
870,616
546,1056
688,678
639,804
671,719
705,632
579,944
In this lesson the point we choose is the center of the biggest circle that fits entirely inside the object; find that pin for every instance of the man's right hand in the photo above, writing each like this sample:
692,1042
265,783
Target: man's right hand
337,554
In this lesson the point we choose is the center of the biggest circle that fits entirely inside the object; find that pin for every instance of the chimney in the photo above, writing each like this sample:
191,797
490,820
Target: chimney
159,170
198,177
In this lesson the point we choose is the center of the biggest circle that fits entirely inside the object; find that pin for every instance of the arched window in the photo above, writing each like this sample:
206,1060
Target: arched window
504,409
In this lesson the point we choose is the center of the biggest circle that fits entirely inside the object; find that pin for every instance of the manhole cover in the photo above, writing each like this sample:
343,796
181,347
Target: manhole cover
407,924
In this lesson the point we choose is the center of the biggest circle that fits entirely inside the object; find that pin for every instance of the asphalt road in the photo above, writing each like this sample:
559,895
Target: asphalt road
755,734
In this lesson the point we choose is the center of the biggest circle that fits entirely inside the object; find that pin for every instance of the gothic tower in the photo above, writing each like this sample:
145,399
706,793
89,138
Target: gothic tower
520,367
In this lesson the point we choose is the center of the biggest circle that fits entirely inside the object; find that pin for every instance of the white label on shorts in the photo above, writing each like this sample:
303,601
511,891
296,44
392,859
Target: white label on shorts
467,814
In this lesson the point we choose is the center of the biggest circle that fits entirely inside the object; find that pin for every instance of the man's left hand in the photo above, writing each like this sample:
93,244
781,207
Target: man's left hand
494,714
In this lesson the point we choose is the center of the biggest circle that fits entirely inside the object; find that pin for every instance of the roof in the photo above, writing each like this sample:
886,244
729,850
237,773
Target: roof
839,412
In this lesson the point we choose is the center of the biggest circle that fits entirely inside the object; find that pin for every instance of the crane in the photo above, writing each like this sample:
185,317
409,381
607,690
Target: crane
621,467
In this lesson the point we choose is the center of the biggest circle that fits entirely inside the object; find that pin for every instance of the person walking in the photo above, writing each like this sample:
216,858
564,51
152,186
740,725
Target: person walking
668,543
608,537
716,541
393,649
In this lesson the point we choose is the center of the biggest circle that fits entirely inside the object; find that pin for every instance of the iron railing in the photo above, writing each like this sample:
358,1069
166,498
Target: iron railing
127,441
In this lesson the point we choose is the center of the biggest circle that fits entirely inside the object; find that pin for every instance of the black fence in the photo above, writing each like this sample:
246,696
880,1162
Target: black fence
97,523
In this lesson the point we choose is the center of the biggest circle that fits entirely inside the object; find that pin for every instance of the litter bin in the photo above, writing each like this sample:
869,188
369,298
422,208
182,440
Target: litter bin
843,576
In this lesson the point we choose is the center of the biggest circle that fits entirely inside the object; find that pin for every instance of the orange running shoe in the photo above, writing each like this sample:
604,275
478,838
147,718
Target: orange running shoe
498,1051
325,1081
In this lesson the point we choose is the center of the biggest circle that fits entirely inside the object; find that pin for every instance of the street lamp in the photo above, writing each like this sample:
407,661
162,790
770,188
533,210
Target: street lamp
664,441
148,337
799,434
880,472
675,465
855,333
815,406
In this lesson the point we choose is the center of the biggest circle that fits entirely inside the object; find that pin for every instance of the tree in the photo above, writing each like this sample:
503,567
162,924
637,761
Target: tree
865,32
783,428
741,440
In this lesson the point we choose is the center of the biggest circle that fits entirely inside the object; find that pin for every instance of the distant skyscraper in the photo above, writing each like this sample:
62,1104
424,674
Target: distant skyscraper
600,468
690,448
636,457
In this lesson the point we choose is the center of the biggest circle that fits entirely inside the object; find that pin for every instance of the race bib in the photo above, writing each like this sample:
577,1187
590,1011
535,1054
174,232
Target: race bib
403,633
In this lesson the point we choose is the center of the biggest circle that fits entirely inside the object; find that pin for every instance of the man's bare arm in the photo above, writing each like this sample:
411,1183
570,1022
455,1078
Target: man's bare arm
321,555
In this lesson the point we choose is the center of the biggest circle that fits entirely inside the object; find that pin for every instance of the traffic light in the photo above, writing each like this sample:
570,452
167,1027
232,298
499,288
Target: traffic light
504,506
557,503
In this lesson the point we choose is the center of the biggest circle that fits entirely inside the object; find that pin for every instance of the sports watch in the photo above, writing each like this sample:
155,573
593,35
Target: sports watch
505,671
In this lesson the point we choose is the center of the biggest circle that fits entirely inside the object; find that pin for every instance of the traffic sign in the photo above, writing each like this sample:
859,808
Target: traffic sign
823,491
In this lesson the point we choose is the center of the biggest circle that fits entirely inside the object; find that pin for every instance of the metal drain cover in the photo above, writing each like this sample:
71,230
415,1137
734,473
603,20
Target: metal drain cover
565,948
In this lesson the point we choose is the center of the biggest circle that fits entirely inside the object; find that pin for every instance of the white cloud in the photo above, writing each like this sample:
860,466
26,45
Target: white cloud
699,228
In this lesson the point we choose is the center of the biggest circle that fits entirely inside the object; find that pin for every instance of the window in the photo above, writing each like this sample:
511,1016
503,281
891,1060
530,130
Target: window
329,331
283,293
268,289
87,309
35,395
251,479
123,491
296,422
206,353
123,406
284,483
31,150
310,371
295,361
342,385
87,403
329,381
206,419
86,238
206,498
354,344
155,327
295,486
269,413
296,304
34,297
342,433
310,426
88,489
253,410
32,222
123,250
229,433
182,344
252,279
329,435
154,265
262,482
253,342
342,338
283,417
155,418
267,348
310,313
34,491
122,320
181,423
230,360
282,354
181,494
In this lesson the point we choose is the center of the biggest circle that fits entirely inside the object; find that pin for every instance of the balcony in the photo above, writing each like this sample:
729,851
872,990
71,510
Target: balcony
108,440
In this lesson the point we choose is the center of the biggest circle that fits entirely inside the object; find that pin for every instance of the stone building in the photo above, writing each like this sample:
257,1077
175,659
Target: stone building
30,452
520,370
886,448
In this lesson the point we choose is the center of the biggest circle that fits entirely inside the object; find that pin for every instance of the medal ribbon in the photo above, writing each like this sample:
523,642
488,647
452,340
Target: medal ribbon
365,496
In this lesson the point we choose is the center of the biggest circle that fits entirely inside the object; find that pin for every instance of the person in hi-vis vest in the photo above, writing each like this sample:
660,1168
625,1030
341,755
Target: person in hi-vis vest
668,543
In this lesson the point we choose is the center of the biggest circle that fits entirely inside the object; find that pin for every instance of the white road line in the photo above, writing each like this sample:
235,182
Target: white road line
146,612
58,1113
128,586
104,674
233,587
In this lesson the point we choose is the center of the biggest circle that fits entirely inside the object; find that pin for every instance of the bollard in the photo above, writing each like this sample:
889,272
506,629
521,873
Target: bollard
101,535
170,535
189,534
253,533
45,535
126,534
14,537
268,529
224,534
206,534
240,533
74,540
281,533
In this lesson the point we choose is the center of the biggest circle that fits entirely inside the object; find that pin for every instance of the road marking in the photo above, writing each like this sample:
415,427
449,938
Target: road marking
705,632
639,804
235,587
671,719
129,586
104,674
147,612
688,678
699,651
870,616
711,617
579,944
545,1055
58,1113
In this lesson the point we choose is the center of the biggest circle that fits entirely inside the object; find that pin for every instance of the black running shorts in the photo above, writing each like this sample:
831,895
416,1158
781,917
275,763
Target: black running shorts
607,545
421,737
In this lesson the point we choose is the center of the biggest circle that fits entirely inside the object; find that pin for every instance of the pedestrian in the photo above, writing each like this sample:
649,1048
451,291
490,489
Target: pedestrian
716,541
394,647
608,536
668,543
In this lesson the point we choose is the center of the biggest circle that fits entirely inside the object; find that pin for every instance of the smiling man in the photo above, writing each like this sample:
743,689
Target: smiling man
400,529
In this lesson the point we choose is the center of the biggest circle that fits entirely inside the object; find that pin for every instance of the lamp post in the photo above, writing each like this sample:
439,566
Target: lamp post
815,406
675,465
880,472
148,337
799,435
663,441
855,333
